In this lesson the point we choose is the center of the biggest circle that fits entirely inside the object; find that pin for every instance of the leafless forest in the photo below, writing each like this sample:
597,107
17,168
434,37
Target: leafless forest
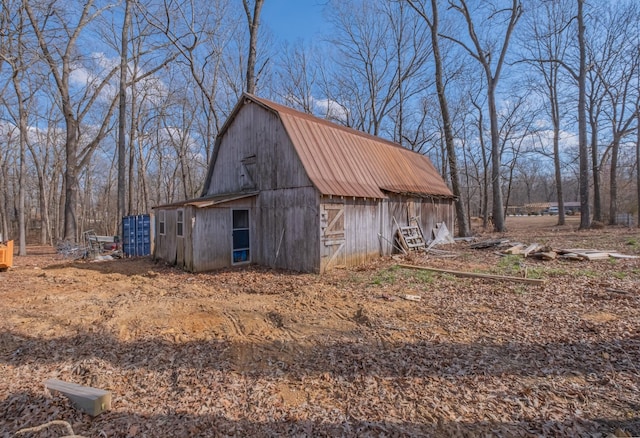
109,108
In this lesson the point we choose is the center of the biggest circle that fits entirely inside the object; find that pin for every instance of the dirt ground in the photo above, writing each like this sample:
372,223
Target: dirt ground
258,352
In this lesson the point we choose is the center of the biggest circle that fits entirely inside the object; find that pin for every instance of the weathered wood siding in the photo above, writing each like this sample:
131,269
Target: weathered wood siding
212,235
428,211
288,229
349,231
170,247
255,153
165,247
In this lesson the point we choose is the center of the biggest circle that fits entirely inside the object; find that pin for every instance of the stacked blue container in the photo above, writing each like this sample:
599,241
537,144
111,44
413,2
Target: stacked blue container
136,235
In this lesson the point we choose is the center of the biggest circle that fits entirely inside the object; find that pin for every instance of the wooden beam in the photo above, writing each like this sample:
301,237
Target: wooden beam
85,398
531,248
475,275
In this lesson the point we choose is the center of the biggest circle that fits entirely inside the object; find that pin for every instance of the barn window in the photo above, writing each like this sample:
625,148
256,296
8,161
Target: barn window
161,222
180,223
240,236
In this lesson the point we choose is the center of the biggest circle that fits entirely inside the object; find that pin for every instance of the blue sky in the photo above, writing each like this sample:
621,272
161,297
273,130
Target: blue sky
293,19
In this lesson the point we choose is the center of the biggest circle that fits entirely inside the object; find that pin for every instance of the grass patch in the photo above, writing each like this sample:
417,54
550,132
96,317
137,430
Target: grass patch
551,272
520,290
509,265
619,275
536,273
387,276
586,273
425,277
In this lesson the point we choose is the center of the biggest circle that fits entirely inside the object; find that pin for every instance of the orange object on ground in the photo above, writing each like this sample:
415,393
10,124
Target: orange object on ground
6,255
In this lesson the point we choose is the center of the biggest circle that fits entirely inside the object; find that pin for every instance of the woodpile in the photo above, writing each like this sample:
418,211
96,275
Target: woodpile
546,252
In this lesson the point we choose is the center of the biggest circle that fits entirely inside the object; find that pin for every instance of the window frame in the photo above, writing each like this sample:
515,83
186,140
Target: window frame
162,222
180,222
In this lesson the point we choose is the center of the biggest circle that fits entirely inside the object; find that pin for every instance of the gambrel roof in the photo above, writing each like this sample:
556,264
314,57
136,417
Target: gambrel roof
342,161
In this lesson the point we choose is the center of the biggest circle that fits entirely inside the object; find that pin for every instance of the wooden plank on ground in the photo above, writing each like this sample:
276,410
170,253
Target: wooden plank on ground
617,255
93,401
475,275
489,243
516,249
531,248
545,255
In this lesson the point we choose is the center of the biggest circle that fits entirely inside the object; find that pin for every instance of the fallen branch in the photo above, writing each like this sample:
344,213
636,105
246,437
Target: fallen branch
475,275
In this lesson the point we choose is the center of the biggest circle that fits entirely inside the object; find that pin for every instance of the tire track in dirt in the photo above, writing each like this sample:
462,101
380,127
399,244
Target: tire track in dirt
235,324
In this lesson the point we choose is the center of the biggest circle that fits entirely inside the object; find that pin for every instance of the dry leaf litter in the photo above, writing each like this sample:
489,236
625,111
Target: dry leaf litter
256,352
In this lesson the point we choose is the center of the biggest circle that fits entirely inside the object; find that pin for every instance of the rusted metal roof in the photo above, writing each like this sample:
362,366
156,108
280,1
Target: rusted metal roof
342,161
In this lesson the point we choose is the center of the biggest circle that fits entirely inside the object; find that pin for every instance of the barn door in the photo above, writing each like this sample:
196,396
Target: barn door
332,234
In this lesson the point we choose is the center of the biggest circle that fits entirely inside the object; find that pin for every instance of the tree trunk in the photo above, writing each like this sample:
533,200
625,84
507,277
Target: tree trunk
485,173
4,213
132,135
22,225
595,171
496,187
254,22
122,112
142,176
585,213
613,181
45,232
557,165
71,181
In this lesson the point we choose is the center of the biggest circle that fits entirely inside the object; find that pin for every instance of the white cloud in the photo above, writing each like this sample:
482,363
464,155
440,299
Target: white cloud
330,109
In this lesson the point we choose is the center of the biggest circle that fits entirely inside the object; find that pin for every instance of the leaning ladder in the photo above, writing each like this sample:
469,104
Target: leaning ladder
411,237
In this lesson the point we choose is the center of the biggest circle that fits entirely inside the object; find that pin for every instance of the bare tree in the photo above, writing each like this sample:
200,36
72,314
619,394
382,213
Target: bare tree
200,33
484,159
377,66
547,39
585,219
122,108
595,101
616,65
492,68
297,76
59,53
433,23
253,20
517,132
13,54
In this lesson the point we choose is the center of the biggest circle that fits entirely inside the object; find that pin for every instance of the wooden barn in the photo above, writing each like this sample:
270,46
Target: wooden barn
288,190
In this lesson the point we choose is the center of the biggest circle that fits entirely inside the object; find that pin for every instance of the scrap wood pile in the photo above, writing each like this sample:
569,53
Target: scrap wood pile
412,238
546,252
